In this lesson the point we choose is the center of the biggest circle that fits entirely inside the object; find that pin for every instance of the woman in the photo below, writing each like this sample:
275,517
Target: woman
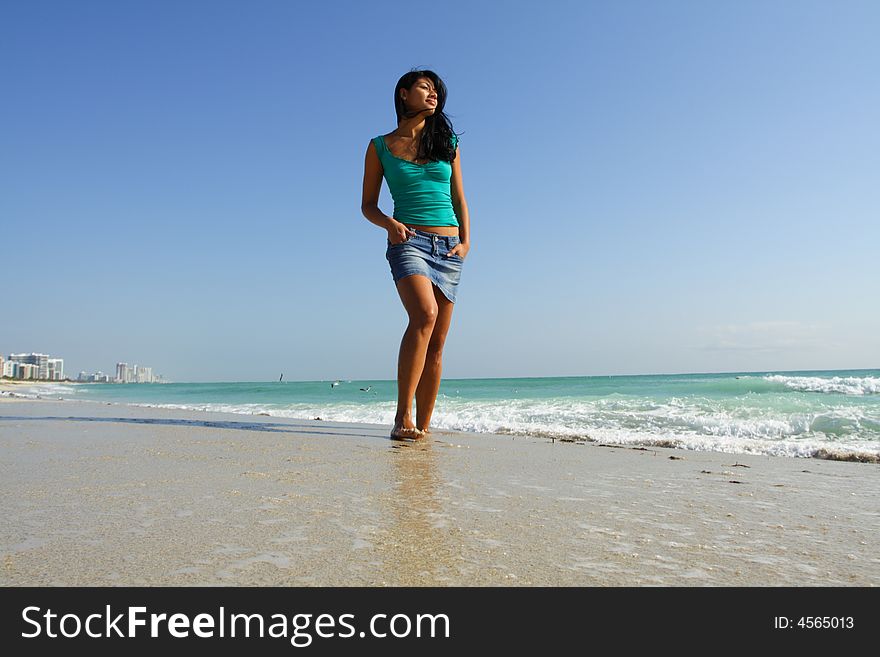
428,236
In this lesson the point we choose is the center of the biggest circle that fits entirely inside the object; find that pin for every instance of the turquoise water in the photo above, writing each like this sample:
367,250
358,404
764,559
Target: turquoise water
830,413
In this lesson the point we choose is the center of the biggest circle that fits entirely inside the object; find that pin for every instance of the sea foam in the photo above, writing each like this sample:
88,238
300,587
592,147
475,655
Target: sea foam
850,385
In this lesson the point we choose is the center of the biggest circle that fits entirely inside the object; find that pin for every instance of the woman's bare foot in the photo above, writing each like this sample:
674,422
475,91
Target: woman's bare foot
403,432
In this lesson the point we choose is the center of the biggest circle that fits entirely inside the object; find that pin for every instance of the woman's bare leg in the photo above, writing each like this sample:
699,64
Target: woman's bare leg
429,384
421,306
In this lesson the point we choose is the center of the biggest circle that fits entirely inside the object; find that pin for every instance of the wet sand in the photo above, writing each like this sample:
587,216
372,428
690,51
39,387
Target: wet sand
100,494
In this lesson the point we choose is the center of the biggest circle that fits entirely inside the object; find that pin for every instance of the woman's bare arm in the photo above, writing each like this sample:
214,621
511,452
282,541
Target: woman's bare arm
459,204
372,187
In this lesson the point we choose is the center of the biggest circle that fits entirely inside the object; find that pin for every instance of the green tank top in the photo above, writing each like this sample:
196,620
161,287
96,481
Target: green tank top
421,192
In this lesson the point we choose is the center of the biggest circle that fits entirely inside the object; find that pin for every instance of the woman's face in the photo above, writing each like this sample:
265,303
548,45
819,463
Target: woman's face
422,96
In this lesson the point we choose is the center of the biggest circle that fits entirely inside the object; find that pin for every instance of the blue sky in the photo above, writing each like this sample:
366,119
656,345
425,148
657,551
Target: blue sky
653,186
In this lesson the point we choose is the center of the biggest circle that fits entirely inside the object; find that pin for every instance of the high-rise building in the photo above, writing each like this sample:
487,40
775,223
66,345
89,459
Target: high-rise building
28,371
126,373
56,369
40,361
143,374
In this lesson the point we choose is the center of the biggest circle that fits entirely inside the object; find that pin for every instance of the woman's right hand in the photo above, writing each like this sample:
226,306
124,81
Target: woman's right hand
399,233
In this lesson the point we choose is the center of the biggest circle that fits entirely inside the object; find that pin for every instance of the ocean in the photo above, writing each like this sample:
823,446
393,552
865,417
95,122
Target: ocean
829,414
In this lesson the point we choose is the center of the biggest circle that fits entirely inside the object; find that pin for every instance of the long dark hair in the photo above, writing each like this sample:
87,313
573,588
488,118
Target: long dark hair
435,141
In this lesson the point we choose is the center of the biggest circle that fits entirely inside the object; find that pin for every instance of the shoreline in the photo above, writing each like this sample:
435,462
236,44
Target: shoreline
845,454
107,494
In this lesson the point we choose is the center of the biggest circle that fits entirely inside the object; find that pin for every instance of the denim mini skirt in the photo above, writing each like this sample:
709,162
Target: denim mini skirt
425,253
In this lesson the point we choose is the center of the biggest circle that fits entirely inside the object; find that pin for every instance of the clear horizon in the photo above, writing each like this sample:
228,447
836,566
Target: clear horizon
466,378
673,187
566,376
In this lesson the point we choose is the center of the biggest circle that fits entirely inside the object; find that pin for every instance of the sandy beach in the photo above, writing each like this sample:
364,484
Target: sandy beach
102,494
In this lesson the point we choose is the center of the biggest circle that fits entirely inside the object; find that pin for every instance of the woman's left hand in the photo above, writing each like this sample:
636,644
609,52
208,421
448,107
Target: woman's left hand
461,249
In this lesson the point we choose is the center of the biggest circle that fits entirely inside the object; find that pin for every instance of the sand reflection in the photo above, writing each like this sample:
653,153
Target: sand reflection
417,550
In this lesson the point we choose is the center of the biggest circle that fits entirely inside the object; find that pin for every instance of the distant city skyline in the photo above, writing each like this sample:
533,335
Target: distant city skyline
142,374
38,366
